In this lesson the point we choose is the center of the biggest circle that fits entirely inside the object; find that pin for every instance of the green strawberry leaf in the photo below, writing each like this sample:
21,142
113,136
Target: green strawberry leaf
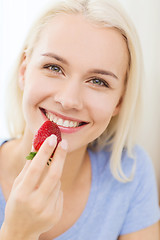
31,155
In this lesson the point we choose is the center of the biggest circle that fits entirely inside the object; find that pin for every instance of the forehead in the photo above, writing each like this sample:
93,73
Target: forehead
74,37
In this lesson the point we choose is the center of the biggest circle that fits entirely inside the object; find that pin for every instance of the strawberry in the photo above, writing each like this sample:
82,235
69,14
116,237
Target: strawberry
48,128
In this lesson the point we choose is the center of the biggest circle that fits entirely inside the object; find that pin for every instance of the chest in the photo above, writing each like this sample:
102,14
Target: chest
74,205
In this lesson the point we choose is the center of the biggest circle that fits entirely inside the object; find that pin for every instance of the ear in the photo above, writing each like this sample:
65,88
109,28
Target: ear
22,71
117,108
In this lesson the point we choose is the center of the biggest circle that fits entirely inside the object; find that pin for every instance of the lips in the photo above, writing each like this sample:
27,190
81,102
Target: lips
62,121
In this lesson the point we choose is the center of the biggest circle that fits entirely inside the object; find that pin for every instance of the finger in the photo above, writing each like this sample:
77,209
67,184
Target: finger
59,159
55,169
53,196
39,162
59,206
55,210
45,200
22,173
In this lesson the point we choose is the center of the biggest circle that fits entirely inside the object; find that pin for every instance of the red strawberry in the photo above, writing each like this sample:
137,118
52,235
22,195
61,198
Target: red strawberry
48,128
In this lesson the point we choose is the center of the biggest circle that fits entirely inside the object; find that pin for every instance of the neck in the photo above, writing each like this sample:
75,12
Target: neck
74,168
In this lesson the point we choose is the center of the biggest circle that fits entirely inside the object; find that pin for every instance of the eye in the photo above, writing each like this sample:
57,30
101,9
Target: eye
99,82
53,68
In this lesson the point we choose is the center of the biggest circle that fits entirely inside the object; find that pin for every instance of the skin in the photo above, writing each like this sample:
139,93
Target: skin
59,95
33,196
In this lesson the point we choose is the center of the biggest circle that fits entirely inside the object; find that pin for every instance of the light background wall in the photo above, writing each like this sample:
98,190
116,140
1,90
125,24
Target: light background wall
15,19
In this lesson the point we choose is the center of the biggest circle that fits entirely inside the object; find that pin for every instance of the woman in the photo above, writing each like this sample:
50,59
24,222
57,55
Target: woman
80,67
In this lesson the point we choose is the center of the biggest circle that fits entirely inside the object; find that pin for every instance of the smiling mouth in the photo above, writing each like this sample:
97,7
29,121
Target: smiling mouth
62,122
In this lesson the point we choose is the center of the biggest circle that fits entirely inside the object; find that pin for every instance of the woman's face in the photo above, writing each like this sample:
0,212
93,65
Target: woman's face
75,77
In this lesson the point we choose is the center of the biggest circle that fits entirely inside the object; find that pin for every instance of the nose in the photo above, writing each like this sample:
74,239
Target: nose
70,95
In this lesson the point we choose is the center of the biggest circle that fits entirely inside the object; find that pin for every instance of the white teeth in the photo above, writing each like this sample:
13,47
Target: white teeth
71,124
61,122
66,123
55,119
75,124
51,117
47,115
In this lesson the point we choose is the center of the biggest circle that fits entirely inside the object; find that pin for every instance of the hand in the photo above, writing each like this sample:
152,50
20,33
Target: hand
36,202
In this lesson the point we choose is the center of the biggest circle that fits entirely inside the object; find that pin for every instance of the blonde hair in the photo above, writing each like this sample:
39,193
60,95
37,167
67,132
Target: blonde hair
121,130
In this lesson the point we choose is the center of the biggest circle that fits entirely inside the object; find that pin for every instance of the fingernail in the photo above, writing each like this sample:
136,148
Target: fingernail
64,144
52,140
32,149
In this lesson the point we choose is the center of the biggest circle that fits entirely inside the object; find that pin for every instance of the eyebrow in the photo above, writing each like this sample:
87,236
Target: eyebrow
55,56
93,71
103,72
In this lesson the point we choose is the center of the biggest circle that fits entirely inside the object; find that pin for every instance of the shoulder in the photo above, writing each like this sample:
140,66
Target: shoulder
4,150
2,141
137,165
143,209
141,164
132,205
138,158
141,155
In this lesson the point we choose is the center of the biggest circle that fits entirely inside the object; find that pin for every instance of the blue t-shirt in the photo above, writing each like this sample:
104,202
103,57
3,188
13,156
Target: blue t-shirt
114,208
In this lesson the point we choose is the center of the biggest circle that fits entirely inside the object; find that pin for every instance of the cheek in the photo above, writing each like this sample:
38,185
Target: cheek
34,88
30,95
102,115
103,108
